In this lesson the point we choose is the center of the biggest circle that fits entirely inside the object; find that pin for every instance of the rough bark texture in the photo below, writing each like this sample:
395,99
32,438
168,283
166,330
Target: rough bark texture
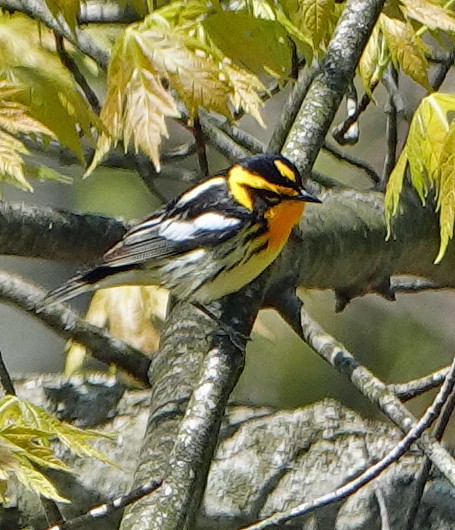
266,461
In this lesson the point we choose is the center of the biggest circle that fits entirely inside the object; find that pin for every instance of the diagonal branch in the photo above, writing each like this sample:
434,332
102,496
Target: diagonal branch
372,388
66,323
372,472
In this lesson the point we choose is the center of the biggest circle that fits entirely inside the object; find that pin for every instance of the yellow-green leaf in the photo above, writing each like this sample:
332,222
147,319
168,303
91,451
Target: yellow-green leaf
15,120
29,442
257,44
36,481
312,17
394,188
11,163
429,14
23,413
369,61
49,91
406,49
68,9
131,313
42,173
446,194
136,103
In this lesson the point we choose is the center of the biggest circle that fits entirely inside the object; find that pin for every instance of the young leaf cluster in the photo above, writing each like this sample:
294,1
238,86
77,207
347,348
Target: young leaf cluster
198,54
26,433
398,38
430,155
38,98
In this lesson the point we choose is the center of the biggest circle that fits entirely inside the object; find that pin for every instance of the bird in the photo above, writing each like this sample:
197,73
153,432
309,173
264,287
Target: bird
211,240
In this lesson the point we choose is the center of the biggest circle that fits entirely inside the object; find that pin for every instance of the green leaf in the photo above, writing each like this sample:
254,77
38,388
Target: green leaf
257,44
42,173
23,413
50,93
28,442
35,480
369,61
137,102
68,9
15,120
312,17
430,151
446,194
406,48
429,14
394,188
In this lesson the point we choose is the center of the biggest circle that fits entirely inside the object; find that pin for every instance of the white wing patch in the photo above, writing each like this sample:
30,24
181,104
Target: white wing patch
182,230
195,192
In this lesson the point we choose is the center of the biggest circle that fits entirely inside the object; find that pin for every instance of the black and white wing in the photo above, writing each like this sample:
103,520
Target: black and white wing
151,243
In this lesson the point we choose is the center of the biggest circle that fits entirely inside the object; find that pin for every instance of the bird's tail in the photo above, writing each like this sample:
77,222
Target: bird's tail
73,287
102,276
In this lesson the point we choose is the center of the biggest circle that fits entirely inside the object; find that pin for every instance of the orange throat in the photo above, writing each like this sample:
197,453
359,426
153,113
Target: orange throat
282,219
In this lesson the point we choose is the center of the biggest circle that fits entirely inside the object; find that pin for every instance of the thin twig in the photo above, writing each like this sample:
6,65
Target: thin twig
71,65
424,472
222,142
5,379
390,83
66,323
415,285
373,471
106,509
333,352
391,132
339,132
244,139
200,147
354,161
417,387
291,108
443,70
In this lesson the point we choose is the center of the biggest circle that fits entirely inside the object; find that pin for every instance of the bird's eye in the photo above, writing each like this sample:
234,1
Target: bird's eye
270,197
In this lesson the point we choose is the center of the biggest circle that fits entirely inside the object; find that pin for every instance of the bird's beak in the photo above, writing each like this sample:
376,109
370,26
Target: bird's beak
307,197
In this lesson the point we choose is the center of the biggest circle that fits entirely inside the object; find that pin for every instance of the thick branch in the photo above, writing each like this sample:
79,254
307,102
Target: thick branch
66,323
337,70
41,232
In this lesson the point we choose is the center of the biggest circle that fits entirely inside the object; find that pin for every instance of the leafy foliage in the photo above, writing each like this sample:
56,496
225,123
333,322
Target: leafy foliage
315,18
209,58
48,92
398,38
68,9
26,432
429,154
16,120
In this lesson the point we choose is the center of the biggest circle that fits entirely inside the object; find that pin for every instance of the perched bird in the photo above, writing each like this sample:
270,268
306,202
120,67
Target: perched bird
211,240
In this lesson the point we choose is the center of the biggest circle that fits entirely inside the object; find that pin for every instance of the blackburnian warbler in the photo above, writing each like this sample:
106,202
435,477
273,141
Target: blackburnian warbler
211,240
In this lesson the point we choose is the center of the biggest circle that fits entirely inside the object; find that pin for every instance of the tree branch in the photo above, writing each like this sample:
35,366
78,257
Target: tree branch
41,232
327,90
66,323
372,388
372,472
